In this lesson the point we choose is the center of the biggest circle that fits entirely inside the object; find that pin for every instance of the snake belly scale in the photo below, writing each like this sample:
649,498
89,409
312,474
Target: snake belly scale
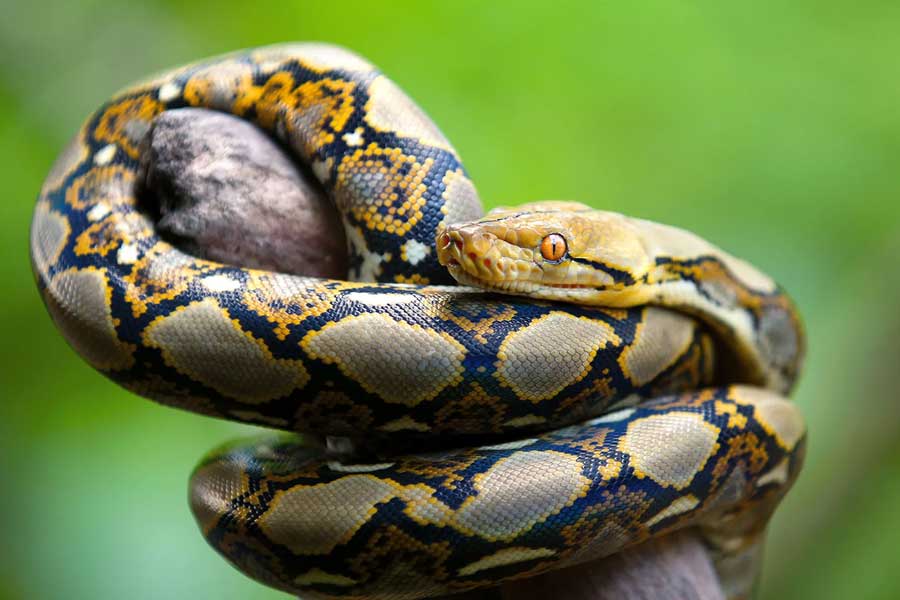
634,388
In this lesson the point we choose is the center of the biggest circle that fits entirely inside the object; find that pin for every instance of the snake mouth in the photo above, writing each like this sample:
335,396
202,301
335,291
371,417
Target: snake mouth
509,287
517,287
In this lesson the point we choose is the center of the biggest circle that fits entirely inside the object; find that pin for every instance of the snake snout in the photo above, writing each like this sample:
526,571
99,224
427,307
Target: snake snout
478,256
453,243
466,248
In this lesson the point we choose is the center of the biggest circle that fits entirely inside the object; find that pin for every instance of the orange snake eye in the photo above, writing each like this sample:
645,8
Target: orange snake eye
553,247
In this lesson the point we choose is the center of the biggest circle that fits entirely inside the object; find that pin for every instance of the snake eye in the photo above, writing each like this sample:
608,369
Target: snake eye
553,247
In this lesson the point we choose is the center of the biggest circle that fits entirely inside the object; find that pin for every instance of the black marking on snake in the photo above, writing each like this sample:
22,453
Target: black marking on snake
618,275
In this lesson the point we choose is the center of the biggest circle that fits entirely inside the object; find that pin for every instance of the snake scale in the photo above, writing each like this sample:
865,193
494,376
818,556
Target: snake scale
616,380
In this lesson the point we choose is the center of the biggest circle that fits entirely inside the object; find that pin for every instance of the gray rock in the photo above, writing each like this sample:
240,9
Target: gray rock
228,192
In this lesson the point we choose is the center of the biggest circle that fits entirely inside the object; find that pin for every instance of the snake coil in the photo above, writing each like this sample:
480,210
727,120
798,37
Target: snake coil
649,401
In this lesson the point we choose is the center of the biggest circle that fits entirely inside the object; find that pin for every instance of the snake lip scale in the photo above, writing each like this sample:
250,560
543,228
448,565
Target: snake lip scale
604,377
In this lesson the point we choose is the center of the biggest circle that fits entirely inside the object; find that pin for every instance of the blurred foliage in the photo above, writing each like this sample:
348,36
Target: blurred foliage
770,128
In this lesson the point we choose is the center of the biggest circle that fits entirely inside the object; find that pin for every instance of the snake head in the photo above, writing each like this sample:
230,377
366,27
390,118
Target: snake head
551,250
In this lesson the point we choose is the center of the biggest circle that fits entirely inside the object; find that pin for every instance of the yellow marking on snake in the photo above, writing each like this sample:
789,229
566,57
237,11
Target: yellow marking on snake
50,231
111,185
393,181
238,365
691,440
504,557
660,340
405,423
512,499
410,372
317,576
778,416
271,294
88,325
679,506
553,353
315,519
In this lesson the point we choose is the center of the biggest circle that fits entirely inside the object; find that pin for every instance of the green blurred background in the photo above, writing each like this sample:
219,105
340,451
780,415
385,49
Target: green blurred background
771,128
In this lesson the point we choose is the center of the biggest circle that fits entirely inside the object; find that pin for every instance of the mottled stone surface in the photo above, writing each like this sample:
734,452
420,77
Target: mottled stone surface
228,192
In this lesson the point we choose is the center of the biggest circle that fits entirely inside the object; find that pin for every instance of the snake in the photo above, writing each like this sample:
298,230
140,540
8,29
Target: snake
484,398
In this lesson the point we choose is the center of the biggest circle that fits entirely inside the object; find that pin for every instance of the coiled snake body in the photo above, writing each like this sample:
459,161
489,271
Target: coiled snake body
648,400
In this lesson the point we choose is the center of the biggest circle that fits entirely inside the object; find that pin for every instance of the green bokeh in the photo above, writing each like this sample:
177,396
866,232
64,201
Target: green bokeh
771,128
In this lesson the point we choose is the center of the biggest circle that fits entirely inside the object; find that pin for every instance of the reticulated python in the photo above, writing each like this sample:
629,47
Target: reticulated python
649,400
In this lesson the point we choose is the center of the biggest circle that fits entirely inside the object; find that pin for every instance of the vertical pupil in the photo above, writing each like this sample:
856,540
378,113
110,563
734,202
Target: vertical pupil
553,247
